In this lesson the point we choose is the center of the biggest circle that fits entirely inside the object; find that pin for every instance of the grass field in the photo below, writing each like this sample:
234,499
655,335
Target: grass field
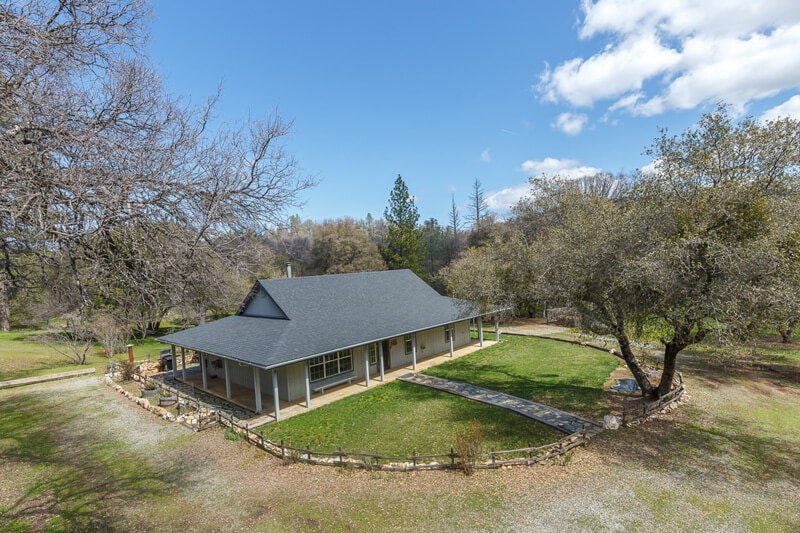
74,456
401,418
22,355
563,375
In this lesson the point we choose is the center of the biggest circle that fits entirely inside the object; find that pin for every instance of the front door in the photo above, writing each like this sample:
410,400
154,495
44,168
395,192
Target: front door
387,355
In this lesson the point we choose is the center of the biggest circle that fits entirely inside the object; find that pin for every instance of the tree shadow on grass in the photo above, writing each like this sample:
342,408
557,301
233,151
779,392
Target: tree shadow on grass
71,482
707,447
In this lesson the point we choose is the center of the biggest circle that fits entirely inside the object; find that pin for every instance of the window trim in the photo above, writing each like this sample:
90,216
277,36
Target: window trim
373,353
341,359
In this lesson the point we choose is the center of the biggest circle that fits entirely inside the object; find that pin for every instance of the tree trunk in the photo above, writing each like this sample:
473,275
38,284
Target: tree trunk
786,333
633,365
5,306
671,351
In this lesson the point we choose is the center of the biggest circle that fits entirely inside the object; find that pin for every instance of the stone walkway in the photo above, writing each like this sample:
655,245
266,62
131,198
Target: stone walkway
555,418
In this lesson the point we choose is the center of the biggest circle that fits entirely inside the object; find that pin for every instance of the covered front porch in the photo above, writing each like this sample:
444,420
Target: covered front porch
268,410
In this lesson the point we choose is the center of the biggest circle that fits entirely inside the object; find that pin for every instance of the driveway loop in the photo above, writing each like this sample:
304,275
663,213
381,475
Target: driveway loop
555,418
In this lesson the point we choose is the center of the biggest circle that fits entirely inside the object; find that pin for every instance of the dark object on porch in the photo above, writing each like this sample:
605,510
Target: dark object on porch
166,359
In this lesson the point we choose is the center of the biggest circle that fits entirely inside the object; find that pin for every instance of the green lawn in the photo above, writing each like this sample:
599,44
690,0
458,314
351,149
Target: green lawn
22,355
399,418
563,375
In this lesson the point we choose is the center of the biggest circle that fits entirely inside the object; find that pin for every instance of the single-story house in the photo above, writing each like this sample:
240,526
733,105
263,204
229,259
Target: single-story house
304,334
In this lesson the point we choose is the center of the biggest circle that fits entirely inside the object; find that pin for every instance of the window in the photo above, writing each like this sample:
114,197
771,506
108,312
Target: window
373,354
331,364
447,330
409,344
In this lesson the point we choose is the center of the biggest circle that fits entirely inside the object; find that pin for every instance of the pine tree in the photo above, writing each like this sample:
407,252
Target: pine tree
404,244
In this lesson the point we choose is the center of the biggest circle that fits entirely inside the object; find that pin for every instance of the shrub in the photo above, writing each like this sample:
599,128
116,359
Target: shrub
468,446
230,434
126,370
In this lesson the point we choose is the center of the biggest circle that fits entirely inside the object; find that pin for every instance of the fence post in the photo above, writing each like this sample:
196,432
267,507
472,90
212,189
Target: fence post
452,456
414,457
283,453
530,451
492,455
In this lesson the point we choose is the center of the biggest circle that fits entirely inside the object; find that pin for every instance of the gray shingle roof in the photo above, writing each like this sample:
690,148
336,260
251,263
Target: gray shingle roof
326,314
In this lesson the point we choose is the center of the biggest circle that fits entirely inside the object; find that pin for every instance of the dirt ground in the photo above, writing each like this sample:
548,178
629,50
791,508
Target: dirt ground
725,461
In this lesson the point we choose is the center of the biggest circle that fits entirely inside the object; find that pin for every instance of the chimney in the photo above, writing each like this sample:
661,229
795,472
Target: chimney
288,269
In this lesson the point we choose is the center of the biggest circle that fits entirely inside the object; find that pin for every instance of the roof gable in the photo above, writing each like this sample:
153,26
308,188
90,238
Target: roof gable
259,304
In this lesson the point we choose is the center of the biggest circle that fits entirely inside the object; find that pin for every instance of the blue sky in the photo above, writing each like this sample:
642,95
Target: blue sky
444,92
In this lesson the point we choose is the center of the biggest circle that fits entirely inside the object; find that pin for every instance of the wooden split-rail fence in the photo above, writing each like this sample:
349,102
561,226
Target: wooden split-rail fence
369,461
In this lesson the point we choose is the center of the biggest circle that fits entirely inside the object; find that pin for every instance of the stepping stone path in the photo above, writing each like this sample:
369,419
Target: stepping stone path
555,418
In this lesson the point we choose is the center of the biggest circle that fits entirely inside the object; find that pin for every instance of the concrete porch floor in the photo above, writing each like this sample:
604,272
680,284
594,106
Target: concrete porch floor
245,398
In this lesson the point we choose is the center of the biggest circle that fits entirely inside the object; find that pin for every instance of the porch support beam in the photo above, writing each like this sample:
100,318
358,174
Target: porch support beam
275,397
227,379
497,328
480,330
452,333
308,385
414,352
380,360
174,363
257,387
203,371
183,363
366,366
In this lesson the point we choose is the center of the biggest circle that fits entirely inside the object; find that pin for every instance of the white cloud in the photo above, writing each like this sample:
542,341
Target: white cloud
679,54
790,108
503,200
565,168
486,157
570,123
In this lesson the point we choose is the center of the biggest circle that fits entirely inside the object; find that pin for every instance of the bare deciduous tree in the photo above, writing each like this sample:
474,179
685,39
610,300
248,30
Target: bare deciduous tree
99,164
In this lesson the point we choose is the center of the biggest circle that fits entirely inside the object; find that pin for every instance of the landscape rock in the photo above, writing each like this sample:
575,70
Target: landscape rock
611,422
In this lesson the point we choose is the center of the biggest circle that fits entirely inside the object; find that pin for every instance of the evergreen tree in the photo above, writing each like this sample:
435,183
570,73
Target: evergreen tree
404,243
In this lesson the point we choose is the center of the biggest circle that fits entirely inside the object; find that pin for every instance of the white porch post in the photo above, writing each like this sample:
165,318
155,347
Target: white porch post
203,371
497,329
308,386
183,362
380,359
480,330
174,363
275,398
366,365
452,333
257,387
227,379
414,352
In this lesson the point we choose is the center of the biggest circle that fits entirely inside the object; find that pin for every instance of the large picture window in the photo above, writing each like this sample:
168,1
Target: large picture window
330,364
